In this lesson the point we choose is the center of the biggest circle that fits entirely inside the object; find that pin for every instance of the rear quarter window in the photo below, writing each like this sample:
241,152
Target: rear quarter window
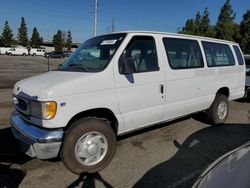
238,55
218,54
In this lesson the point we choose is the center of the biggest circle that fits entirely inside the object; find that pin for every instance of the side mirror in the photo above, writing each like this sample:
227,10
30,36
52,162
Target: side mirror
127,65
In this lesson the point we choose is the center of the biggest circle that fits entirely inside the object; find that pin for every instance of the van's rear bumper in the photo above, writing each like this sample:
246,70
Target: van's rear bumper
34,141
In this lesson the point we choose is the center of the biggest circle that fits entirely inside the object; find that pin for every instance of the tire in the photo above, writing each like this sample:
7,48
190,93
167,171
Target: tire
218,111
24,54
99,133
10,54
34,54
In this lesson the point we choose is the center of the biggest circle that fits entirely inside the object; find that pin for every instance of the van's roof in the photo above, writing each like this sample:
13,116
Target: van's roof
177,34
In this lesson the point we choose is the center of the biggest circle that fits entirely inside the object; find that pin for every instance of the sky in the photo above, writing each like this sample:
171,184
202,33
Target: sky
78,15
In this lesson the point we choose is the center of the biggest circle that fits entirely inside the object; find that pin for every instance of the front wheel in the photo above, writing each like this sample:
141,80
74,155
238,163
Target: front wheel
89,145
218,111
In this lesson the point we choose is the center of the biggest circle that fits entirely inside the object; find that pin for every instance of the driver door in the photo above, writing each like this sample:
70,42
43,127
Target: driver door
141,94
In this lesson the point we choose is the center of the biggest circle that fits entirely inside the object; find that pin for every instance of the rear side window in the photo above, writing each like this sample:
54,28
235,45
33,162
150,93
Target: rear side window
239,56
218,54
183,53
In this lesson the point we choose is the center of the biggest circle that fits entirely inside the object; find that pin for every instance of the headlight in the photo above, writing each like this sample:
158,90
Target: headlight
43,110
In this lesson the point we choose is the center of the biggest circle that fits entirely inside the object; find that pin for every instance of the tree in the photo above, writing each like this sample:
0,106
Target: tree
58,41
6,38
205,28
197,24
35,40
23,34
69,41
245,32
236,33
225,24
189,27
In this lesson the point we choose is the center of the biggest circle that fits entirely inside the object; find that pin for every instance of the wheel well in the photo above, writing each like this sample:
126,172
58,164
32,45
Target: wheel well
100,113
224,91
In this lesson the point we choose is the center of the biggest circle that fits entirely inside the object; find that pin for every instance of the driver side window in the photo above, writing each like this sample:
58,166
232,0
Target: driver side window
142,52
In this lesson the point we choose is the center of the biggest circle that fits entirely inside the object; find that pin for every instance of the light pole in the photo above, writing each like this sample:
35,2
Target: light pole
95,18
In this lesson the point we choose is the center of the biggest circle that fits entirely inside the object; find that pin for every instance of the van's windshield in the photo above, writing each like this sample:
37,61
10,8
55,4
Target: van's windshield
94,54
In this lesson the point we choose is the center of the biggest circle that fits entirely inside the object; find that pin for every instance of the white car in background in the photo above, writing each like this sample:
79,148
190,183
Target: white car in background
4,50
18,51
37,51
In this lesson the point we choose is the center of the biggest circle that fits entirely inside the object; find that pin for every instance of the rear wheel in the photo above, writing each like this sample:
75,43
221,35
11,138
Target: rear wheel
89,145
218,111
24,54
33,54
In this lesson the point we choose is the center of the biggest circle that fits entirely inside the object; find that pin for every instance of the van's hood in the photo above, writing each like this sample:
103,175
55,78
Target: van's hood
59,83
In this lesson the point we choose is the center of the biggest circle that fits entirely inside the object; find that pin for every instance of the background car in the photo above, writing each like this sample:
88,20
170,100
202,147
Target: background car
231,170
58,54
67,53
247,88
55,54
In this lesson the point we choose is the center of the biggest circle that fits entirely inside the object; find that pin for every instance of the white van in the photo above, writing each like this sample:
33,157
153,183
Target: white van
122,82
18,51
37,51
4,50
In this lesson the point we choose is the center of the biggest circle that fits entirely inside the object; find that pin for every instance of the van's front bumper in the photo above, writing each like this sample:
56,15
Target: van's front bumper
34,141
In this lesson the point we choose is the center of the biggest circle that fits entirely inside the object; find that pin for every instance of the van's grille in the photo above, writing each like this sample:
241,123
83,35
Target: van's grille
22,107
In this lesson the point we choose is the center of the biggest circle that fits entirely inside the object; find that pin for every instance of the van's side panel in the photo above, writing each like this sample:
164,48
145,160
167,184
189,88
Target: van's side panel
237,93
182,89
192,90
215,78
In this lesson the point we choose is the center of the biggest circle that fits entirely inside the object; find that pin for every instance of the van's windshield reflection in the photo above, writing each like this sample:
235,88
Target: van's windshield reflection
94,54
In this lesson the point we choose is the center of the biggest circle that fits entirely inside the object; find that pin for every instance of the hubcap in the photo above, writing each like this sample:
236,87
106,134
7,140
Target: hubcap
91,148
222,110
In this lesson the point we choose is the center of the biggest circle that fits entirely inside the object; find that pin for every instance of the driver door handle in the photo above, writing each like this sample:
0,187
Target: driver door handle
161,88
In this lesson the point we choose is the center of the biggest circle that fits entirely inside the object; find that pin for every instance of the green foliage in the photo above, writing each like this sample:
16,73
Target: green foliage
225,24
225,27
35,40
245,32
189,27
236,33
6,38
200,26
69,41
205,28
58,41
23,34
197,24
